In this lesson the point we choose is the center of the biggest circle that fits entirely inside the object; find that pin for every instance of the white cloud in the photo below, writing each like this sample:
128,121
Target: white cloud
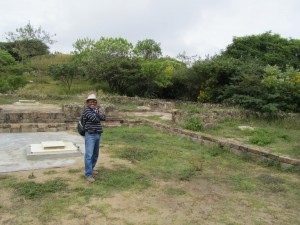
199,27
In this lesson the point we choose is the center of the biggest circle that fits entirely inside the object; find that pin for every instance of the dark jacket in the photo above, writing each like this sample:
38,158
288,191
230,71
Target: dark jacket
91,120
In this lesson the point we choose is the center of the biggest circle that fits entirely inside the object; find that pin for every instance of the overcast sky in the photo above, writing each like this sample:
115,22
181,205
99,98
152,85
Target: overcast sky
198,27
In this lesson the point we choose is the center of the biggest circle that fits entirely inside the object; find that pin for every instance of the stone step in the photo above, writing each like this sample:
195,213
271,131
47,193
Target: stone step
32,127
32,117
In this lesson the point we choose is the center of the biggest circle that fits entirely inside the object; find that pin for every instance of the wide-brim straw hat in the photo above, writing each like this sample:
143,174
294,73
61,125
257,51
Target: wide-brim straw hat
91,97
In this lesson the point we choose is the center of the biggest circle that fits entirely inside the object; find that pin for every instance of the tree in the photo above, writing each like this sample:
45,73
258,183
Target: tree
245,89
108,60
187,60
28,39
282,88
11,83
65,72
112,47
267,48
148,49
6,59
156,76
83,45
209,77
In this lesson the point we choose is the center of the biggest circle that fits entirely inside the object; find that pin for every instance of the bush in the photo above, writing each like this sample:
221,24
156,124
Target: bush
261,137
11,83
6,58
18,69
193,123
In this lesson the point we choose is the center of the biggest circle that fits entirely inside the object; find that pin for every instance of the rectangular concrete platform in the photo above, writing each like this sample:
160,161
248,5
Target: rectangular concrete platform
14,146
52,149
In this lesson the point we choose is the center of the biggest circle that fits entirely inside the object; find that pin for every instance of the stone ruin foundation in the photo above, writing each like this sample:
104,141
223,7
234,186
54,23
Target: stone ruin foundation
30,116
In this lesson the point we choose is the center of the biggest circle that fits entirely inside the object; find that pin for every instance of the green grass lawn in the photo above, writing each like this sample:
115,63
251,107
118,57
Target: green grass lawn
152,162
281,136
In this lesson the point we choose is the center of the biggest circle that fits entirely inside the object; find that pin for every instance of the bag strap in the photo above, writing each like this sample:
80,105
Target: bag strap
81,120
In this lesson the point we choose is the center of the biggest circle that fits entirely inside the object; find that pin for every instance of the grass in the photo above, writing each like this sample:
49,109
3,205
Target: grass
126,106
44,85
32,190
159,158
193,123
279,136
174,191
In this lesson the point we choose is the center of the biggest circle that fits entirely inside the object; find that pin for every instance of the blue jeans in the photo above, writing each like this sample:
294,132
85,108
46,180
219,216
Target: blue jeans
92,146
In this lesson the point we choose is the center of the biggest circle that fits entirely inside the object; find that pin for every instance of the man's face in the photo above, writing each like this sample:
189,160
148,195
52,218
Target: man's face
92,103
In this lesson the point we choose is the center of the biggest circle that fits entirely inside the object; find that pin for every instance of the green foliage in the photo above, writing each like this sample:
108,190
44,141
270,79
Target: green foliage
112,47
10,84
267,48
261,138
209,77
108,60
134,154
194,167
156,77
275,184
175,191
264,89
120,178
30,48
74,170
283,90
42,62
6,59
22,50
83,45
28,32
17,69
195,109
243,184
50,172
9,47
148,49
193,123
33,191
29,41
215,151
65,72
250,80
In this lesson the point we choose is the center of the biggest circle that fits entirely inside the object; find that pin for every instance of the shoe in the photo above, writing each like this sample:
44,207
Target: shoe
95,172
90,179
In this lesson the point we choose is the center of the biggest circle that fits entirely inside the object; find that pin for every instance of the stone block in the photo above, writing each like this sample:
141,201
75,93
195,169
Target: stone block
52,129
42,125
26,127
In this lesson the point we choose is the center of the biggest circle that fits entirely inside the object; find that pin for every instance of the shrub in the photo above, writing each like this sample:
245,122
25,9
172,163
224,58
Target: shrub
261,137
11,83
6,58
18,69
193,123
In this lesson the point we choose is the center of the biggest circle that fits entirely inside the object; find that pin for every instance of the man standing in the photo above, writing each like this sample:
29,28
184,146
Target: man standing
93,132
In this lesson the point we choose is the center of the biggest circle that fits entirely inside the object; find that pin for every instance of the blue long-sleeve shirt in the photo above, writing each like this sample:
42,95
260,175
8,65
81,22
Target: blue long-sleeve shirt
92,119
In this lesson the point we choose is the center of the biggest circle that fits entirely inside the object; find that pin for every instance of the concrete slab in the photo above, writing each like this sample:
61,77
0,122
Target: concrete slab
53,149
13,150
52,144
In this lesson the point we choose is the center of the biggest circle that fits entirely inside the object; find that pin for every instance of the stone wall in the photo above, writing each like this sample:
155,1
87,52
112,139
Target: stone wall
210,118
73,111
32,127
157,105
38,121
31,117
234,146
